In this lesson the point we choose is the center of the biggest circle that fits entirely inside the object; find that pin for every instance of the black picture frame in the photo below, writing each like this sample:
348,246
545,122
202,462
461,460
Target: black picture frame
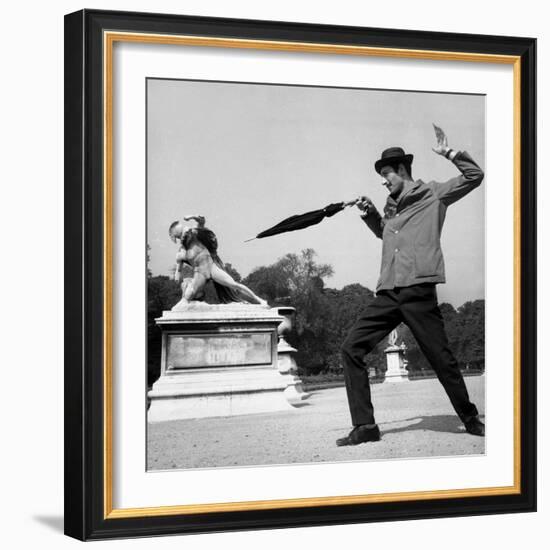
86,510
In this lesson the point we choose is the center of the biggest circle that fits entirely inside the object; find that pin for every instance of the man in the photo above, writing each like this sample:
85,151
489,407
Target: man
412,264
199,250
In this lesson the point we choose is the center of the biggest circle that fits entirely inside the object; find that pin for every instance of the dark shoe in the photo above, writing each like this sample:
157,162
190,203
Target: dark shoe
359,434
475,426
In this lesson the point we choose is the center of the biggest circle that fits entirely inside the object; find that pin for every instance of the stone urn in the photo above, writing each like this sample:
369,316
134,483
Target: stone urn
294,391
288,314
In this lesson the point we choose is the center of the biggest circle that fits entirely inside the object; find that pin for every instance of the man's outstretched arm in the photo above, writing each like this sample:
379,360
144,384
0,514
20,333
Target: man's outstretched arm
471,174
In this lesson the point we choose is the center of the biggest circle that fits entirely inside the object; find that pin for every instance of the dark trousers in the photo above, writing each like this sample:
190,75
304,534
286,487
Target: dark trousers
416,306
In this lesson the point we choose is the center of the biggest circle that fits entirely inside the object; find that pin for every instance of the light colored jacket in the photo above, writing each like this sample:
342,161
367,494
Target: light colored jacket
411,227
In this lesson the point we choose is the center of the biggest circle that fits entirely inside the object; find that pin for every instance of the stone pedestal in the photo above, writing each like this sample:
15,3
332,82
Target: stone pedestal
218,360
396,371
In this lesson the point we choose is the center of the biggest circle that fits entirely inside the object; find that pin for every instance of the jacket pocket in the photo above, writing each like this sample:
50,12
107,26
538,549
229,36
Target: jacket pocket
428,261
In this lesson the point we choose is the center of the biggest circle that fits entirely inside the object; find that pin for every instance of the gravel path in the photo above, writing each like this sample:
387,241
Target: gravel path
415,418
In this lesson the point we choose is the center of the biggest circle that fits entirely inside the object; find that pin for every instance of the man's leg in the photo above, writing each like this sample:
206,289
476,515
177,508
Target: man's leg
421,313
378,319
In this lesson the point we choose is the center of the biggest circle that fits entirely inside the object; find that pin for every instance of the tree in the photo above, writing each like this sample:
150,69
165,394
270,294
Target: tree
470,345
148,257
162,294
297,280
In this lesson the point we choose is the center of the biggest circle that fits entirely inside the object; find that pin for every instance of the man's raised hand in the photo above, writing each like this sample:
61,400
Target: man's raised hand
442,146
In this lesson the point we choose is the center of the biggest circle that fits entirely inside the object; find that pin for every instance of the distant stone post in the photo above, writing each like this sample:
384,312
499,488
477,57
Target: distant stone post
395,360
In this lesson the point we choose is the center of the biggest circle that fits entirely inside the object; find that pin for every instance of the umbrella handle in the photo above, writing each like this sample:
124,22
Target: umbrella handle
351,203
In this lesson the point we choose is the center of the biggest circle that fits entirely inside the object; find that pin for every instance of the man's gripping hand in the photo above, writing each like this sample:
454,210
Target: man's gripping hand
365,205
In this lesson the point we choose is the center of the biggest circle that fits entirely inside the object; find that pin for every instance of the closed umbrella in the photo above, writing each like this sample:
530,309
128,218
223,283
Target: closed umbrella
301,221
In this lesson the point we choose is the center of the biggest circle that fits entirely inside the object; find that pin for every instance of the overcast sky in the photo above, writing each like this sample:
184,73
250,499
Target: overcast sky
247,156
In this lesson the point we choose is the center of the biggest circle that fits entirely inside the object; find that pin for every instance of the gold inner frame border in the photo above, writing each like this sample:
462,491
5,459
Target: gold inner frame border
109,39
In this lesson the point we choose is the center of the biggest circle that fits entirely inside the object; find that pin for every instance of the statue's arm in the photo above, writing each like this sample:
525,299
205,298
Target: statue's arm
201,220
180,258
177,273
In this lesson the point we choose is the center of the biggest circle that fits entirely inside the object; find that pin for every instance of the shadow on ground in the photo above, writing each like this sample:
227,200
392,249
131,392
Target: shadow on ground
438,423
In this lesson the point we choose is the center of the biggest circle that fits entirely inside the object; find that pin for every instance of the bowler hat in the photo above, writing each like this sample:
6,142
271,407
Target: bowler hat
393,155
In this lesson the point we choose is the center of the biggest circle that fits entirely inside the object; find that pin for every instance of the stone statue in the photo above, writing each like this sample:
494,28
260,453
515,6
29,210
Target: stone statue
199,249
396,364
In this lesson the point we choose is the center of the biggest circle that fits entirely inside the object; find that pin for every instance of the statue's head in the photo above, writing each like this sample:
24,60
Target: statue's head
175,231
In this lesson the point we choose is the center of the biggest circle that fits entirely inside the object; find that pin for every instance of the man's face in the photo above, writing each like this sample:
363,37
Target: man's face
392,180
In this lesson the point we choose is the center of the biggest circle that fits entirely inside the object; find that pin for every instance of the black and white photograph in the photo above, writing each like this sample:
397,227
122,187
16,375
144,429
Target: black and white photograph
284,261
315,272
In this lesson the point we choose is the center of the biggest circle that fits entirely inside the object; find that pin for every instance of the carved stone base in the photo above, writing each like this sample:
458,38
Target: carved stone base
218,360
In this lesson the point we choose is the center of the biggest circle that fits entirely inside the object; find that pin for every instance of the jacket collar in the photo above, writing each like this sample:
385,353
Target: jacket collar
409,188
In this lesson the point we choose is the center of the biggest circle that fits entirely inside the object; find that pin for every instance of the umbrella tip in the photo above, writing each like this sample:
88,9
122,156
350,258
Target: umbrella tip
248,240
